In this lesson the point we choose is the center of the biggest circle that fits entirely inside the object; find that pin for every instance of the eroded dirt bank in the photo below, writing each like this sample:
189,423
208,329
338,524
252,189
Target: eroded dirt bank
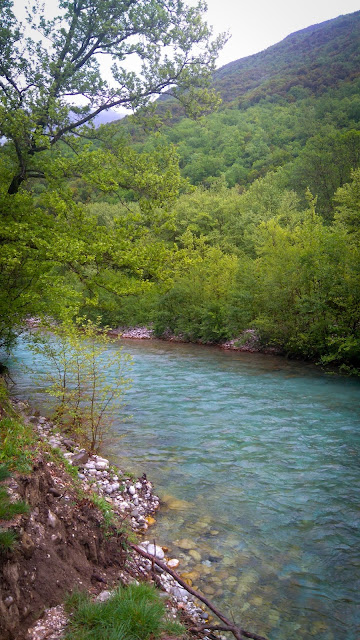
61,546
66,542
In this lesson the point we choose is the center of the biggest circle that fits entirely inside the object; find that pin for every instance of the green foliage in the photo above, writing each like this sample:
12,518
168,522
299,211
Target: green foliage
195,306
55,256
325,164
58,255
304,292
135,612
80,359
39,79
347,199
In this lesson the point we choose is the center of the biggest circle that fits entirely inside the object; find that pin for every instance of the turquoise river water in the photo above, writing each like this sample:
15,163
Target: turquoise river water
257,461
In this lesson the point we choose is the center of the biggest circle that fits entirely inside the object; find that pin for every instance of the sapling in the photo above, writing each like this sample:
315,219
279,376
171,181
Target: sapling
86,376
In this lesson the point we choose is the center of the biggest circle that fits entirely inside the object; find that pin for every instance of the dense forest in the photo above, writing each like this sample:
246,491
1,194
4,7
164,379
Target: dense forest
204,219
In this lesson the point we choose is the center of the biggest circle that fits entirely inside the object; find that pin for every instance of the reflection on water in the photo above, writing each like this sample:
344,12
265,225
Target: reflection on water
257,459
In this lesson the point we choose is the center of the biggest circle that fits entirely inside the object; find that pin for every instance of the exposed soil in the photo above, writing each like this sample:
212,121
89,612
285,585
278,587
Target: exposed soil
62,546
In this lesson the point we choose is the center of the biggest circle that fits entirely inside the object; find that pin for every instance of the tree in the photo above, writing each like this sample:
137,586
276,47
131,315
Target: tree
51,86
325,164
303,289
196,305
54,254
347,199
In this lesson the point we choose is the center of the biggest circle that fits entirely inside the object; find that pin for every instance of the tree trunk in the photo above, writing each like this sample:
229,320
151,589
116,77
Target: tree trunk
15,183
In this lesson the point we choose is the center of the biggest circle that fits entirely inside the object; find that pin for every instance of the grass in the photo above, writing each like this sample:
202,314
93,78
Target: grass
18,444
106,510
135,612
18,441
7,540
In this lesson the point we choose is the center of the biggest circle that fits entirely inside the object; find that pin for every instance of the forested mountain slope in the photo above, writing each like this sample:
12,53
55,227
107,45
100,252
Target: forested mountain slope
269,236
294,107
315,58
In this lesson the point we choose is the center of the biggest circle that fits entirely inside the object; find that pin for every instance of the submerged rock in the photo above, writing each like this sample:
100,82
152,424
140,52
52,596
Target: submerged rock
195,555
175,503
185,543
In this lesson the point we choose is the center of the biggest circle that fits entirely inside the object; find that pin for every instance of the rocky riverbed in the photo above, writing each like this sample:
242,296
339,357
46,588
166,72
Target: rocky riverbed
247,341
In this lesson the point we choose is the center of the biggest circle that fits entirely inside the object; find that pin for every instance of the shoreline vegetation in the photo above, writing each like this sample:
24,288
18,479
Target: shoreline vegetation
247,341
82,514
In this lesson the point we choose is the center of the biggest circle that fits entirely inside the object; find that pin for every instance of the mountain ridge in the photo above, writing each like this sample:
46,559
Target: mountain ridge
330,49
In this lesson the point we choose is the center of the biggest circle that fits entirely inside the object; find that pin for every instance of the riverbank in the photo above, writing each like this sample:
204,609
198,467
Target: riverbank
248,341
76,536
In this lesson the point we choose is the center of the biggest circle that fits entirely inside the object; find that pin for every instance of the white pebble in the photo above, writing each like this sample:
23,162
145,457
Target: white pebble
156,551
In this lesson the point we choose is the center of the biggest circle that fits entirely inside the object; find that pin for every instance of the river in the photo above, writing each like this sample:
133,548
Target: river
257,461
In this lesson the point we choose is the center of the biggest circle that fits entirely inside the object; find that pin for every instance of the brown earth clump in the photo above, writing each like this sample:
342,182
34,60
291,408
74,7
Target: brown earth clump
62,545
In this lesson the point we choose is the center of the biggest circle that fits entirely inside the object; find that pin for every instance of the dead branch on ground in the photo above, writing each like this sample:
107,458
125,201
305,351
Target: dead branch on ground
237,632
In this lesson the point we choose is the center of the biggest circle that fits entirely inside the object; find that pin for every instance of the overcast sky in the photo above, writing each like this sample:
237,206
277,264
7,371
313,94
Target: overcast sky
257,24
253,25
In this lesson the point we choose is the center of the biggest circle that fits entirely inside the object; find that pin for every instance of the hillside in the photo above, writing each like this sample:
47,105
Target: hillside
305,63
314,59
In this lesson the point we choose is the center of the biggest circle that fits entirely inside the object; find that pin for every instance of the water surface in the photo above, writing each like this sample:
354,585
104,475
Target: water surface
257,459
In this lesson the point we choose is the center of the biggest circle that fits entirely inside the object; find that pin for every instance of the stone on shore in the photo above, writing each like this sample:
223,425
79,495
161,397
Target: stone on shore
79,459
173,563
101,464
156,551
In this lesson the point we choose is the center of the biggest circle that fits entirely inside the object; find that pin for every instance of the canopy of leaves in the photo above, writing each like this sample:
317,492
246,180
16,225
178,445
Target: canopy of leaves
52,83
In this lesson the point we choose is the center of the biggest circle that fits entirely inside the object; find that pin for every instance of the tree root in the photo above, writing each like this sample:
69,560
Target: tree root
237,632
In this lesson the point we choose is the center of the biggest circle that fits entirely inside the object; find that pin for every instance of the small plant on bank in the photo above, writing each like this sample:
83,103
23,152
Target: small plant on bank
80,360
112,522
8,510
135,612
106,510
56,455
